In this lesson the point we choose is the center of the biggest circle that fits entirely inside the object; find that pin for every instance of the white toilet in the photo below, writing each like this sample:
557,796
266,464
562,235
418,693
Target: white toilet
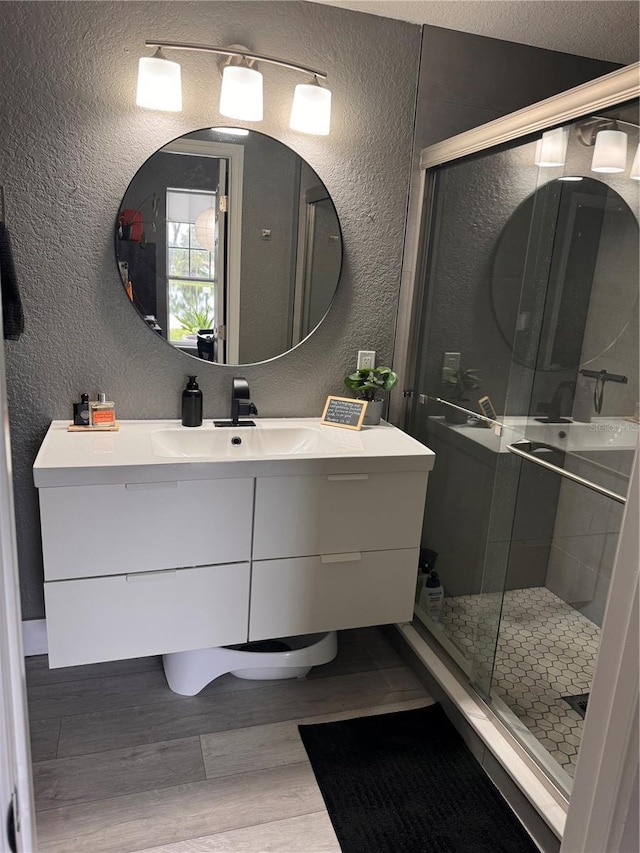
286,657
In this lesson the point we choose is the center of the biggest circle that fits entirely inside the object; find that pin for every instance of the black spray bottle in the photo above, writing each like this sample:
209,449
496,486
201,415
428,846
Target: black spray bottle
192,404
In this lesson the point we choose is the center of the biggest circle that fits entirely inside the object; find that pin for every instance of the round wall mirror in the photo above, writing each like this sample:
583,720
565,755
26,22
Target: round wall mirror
564,272
228,246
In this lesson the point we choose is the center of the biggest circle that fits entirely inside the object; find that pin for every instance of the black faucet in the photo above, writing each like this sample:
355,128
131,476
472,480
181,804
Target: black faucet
554,411
239,409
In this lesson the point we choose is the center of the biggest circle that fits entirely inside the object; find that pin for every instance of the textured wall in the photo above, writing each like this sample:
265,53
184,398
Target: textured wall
72,139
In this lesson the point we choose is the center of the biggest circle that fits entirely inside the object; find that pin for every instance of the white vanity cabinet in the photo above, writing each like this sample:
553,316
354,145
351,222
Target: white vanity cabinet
99,530
146,613
149,555
135,569
334,551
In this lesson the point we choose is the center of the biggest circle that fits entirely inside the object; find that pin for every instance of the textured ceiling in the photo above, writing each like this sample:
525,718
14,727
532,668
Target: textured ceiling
601,29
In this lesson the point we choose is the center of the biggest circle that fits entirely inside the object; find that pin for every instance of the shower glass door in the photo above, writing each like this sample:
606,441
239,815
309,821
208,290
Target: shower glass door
461,358
529,321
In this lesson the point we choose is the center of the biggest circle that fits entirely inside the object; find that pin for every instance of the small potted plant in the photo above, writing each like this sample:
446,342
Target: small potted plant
368,383
457,383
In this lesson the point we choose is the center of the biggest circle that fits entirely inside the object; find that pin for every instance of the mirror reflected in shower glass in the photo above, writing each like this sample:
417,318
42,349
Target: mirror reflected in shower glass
228,246
579,240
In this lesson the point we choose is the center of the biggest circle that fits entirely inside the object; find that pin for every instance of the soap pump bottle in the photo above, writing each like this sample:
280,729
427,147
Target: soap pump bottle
432,596
192,404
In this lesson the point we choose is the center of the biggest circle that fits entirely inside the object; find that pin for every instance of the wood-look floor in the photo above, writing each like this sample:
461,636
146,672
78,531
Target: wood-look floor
120,763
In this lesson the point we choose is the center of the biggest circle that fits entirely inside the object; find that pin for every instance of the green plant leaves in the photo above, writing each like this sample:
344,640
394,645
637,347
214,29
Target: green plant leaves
367,382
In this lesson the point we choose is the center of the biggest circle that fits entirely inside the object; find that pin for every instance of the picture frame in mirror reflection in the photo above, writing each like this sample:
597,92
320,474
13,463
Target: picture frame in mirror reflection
235,238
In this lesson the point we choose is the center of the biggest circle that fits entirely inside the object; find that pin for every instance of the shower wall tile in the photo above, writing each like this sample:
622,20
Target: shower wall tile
609,468
527,564
569,579
587,549
535,508
585,536
575,514
594,609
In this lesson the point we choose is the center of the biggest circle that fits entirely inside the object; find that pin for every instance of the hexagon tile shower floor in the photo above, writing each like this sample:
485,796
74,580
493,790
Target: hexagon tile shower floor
545,655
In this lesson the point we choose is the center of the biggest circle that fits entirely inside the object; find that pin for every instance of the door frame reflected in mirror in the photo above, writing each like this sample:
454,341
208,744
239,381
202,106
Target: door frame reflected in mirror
261,174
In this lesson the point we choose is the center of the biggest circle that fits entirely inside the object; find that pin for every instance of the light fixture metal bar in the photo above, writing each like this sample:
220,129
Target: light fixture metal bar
618,120
225,51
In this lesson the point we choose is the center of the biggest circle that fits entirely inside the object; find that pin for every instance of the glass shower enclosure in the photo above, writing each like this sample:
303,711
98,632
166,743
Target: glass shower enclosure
526,386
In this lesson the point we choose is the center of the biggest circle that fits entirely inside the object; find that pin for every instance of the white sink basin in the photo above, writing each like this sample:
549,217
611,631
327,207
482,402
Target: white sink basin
240,443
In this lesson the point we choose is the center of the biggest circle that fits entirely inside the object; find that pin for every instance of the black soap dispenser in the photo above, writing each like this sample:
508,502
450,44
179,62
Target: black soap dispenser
192,404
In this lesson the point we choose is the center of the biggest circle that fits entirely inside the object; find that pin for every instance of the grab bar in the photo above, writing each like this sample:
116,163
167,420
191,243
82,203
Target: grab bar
522,448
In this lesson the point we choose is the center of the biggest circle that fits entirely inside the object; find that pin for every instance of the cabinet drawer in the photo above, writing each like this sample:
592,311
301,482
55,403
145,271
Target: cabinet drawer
299,516
309,594
128,616
89,531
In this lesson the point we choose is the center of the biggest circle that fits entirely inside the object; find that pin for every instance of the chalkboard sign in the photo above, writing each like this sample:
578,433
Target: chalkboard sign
344,412
487,408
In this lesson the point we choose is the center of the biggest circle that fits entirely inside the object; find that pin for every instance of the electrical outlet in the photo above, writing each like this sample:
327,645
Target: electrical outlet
451,361
366,359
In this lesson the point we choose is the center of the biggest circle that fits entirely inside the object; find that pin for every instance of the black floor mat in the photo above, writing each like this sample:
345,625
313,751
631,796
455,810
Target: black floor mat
407,783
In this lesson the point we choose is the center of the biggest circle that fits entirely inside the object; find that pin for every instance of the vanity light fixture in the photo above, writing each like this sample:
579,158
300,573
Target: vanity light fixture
159,84
311,108
610,152
241,91
551,149
609,143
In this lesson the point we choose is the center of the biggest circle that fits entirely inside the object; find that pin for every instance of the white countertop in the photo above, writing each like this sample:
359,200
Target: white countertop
92,457
600,434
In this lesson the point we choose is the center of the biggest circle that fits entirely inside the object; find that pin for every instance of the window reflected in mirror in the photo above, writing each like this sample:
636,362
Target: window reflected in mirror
229,250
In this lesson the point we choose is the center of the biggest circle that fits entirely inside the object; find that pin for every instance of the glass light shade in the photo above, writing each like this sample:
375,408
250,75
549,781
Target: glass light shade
551,149
159,84
610,152
241,93
311,109
206,229
635,166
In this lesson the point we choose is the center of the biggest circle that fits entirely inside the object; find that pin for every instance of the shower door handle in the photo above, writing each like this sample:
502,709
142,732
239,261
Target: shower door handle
522,448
